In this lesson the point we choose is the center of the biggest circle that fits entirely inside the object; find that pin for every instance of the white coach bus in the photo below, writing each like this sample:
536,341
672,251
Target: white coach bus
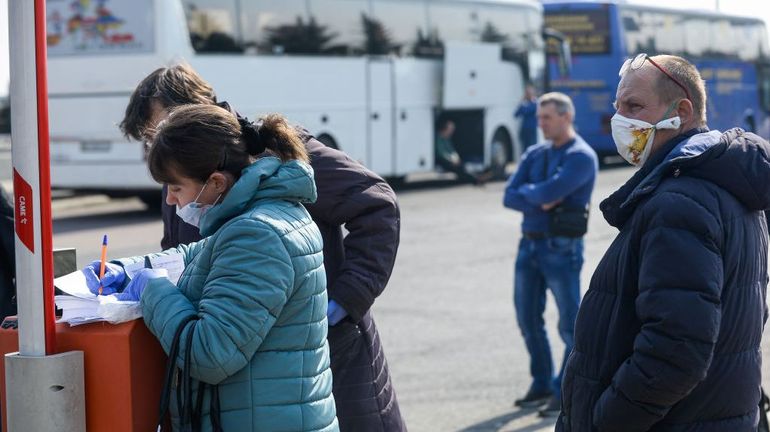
370,77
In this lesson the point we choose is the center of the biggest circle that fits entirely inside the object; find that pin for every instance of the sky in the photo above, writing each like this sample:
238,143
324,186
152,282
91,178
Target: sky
753,8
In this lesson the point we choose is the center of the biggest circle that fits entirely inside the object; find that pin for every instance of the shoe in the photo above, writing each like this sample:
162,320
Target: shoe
552,409
534,399
483,178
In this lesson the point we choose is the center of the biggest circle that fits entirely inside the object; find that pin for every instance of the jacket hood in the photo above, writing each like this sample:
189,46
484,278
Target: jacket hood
267,178
736,161
740,164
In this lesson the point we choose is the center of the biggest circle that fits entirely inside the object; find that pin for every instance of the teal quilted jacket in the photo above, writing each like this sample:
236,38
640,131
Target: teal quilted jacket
258,288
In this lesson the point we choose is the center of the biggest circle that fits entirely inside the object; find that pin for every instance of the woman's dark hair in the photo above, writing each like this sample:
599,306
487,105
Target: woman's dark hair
169,87
198,140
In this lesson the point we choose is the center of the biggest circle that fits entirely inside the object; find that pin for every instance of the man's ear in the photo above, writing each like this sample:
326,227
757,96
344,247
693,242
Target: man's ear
685,110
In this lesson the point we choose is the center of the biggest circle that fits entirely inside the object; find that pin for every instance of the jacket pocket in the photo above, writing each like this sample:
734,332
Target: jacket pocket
579,404
342,338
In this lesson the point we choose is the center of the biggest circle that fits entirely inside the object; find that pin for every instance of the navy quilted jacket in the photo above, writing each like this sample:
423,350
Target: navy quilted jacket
668,335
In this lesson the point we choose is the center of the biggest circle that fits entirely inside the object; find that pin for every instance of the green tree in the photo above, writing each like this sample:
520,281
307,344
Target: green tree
299,38
378,37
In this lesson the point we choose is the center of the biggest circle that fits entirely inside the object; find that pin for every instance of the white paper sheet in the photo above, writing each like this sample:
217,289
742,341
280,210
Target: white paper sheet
174,264
74,284
133,269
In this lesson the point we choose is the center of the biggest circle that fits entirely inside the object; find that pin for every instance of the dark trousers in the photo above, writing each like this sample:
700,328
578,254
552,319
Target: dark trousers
550,263
459,170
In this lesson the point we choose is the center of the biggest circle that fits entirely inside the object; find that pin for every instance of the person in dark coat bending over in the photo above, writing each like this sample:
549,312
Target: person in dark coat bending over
668,335
358,265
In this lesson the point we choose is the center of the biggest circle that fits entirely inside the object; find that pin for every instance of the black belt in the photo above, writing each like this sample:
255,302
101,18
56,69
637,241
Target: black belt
534,235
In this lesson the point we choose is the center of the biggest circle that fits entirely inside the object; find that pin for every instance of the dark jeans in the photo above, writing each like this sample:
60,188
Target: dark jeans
551,263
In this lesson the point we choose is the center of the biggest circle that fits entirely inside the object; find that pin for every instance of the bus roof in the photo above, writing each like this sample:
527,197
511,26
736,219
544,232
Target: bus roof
532,4
636,6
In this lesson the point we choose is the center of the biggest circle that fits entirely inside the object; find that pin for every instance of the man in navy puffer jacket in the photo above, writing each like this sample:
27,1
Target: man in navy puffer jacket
668,335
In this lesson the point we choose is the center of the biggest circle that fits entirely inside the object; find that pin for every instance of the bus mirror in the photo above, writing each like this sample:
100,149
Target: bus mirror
560,44
565,58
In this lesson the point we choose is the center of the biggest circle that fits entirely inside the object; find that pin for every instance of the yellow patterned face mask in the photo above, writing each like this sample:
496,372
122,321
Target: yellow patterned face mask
633,138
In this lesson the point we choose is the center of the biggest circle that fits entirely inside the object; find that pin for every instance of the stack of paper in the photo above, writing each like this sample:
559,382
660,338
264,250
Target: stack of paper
80,306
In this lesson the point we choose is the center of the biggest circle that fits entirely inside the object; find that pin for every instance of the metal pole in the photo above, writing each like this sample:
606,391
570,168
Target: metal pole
31,177
44,391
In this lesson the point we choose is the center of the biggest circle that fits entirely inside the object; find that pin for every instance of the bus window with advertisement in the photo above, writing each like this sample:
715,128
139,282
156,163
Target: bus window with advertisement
370,77
731,53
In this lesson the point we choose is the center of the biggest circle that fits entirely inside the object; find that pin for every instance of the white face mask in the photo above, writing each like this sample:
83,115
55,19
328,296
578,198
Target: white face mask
633,138
194,211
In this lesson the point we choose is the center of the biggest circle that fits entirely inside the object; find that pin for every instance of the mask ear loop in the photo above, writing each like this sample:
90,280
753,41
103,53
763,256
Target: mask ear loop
201,192
668,111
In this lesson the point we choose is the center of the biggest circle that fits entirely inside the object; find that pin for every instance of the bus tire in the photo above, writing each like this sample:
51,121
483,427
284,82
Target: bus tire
500,154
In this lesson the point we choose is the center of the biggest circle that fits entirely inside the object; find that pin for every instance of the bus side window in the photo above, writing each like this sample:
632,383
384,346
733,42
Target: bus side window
348,21
213,25
403,24
281,27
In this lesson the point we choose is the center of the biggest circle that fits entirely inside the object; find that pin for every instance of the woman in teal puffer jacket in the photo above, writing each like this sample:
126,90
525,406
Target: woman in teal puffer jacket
255,288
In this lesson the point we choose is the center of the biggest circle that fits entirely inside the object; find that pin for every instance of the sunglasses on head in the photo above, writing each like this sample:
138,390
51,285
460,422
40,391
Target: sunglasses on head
638,61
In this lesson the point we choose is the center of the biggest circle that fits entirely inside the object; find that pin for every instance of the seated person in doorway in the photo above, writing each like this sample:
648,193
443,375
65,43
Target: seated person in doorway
447,157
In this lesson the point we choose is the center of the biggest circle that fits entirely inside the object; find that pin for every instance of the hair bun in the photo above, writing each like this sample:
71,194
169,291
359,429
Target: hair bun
250,134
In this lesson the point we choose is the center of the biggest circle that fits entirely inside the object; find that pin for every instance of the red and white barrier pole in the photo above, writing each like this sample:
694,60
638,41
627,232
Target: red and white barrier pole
44,390
31,177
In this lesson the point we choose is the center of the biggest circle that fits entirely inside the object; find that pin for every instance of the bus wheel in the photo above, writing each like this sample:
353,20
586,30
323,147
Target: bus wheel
328,141
499,157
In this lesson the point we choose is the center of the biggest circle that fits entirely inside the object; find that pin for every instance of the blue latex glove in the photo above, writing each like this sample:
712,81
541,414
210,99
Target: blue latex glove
135,288
335,313
114,276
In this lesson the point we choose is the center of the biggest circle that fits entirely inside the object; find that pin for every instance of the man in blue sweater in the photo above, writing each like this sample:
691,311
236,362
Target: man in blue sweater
527,112
554,175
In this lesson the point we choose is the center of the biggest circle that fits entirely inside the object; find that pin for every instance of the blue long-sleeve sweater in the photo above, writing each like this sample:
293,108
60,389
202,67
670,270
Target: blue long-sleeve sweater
527,110
547,174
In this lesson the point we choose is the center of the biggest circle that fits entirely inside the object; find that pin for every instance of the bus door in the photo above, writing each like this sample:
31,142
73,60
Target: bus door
380,116
478,82
417,95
